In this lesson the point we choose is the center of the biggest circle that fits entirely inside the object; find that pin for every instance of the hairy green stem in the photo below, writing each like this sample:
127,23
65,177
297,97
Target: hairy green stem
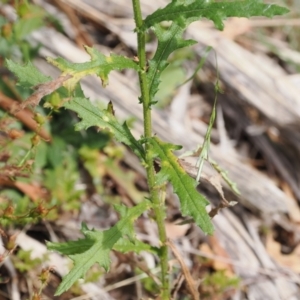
158,204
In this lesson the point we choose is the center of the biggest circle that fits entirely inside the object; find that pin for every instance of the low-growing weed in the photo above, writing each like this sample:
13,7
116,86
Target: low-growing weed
156,156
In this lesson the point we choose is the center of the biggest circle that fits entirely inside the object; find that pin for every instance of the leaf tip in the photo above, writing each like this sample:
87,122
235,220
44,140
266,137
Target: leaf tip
60,290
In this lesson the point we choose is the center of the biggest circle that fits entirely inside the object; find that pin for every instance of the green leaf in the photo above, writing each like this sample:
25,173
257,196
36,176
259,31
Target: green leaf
31,17
72,247
93,116
125,245
184,14
192,202
28,74
99,64
204,150
171,78
168,41
3,21
24,27
96,245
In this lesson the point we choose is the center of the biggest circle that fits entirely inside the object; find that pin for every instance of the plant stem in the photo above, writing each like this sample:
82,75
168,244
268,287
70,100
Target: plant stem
158,204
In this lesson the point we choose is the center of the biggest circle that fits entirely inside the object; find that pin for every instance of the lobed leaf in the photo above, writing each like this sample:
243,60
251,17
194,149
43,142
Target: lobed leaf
72,247
28,74
192,202
185,13
93,116
182,14
96,245
168,41
99,64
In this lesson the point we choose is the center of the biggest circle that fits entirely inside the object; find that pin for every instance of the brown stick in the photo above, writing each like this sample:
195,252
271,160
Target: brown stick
192,286
25,116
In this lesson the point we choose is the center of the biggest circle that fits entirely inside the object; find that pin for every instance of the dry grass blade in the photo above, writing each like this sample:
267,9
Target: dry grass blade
177,286
129,281
192,286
